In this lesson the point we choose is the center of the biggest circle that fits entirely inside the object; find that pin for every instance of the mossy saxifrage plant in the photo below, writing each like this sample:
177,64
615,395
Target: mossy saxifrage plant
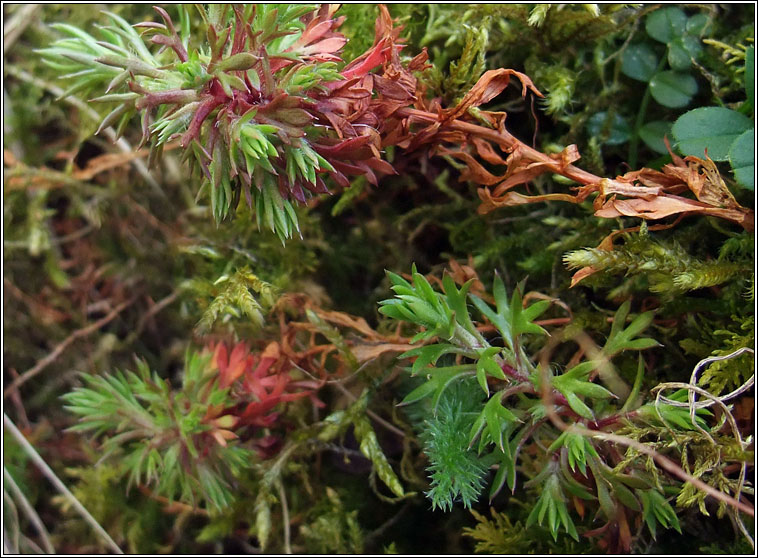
264,111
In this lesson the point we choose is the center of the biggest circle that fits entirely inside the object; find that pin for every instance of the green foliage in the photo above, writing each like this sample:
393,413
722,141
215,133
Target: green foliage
551,506
508,419
729,374
722,133
655,509
209,97
456,472
306,448
133,520
333,529
674,88
709,128
667,268
498,535
236,297
162,438
369,446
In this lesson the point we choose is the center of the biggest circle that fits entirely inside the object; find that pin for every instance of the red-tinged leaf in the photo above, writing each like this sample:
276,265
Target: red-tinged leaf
353,88
380,165
393,89
321,186
327,46
205,108
582,274
221,436
347,168
378,54
347,148
297,191
150,25
340,178
370,176
220,356
318,188
314,31
293,116
341,125
255,413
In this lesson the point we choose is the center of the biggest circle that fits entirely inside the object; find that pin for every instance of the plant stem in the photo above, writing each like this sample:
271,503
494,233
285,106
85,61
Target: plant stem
50,358
29,511
509,142
121,143
55,481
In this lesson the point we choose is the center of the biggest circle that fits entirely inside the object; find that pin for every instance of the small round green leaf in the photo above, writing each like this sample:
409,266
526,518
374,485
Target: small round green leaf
652,134
666,24
610,131
696,25
742,159
639,62
711,128
673,89
681,51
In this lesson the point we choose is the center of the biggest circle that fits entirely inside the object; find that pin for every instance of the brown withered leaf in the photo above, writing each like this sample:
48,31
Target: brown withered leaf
657,199
365,352
485,151
460,273
109,161
340,318
105,162
666,205
582,274
521,171
489,86
509,199
474,171
653,178
708,186
608,187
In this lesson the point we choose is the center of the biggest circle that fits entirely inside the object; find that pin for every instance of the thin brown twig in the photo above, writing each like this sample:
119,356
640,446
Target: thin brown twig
18,403
63,345
157,307
121,143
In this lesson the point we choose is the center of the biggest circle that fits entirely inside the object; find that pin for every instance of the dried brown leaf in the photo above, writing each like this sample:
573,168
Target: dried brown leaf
365,352
489,86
